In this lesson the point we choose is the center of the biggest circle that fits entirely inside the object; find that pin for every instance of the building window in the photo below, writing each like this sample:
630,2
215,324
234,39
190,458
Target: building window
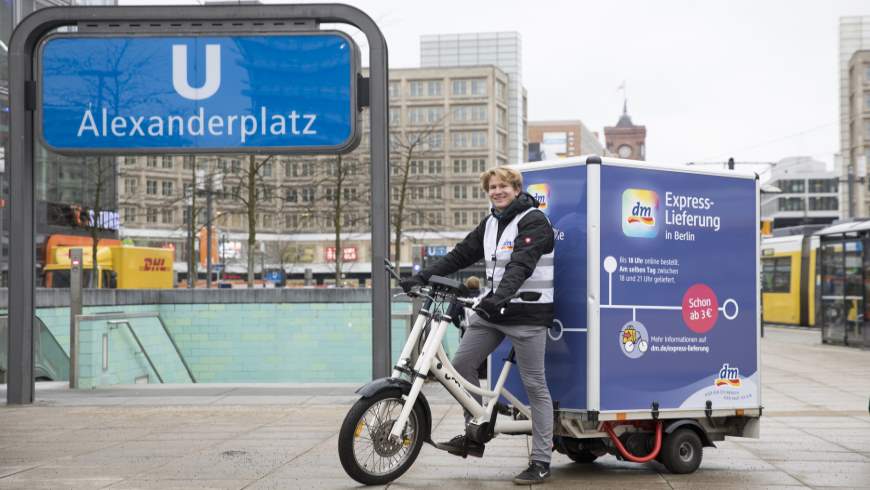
460,166
794,186
151,161
395,116
826,203
501,117
867,102
167,161
776,274
235,166
266,219
426,88
460,192
500,90
459,87
267,169
501,142
151,187
292,195
151,215
167,216
131,185
425,115
167,188
291,221
433,88
478,87
470,113
478,165
434,167
129,215
460,218
822,186
188,163
129,160
395,89
308,194
791,204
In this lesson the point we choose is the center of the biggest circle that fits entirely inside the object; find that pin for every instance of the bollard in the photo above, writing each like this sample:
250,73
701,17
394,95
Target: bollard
75,309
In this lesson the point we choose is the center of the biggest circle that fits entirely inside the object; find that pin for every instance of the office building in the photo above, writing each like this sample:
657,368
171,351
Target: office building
447,125
501,49
854,37
550,140
809,193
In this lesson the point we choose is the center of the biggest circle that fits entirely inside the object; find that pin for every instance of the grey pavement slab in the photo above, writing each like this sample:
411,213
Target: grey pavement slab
815,432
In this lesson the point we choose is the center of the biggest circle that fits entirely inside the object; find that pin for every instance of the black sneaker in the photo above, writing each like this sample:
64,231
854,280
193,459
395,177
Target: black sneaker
461,446
536,473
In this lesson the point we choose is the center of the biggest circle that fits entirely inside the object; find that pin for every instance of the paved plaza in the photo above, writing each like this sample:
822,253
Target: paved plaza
815,433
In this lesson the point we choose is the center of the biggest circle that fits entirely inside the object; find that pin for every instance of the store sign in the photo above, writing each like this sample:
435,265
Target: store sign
348,254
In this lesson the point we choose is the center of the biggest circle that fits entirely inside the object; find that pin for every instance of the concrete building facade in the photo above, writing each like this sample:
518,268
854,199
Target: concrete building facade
854,37
447,125
501,49
560,139
809,193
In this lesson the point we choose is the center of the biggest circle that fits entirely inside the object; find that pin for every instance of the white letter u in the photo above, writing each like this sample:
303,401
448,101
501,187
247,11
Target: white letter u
212,72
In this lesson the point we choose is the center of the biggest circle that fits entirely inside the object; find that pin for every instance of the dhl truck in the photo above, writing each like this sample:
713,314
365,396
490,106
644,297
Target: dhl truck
120,266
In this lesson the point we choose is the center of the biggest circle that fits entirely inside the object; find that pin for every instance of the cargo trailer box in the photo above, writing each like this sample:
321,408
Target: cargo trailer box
656,291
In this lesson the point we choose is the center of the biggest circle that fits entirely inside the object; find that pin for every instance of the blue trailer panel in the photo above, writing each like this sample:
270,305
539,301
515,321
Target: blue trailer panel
672,313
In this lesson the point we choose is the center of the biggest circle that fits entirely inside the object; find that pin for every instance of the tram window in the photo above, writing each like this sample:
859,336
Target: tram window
776,274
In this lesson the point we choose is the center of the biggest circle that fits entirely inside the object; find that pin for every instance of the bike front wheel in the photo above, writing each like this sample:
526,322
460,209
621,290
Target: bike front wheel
364,446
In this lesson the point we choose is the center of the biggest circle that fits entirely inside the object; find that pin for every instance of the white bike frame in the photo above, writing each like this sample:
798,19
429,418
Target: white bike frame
434,360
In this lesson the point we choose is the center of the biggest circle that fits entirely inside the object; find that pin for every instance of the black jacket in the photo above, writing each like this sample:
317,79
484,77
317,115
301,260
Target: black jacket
534,239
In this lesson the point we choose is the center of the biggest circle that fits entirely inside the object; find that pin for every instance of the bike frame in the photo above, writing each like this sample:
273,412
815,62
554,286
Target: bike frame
434,360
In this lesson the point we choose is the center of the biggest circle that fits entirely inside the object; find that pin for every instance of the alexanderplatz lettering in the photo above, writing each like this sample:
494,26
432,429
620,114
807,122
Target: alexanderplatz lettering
282,92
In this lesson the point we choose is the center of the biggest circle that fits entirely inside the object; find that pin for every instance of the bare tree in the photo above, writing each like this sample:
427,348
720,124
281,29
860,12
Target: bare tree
408,146
98,184
344,199
257,194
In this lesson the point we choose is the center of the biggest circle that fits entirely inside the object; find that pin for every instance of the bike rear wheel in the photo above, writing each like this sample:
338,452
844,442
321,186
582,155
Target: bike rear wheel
366,452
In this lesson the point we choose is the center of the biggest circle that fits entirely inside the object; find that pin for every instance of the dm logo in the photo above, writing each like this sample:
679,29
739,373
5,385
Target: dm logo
541,192
728,377
640,209
212,72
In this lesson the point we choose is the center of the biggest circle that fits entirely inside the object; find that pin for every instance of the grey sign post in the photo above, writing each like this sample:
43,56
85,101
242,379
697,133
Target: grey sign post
179,20
75,309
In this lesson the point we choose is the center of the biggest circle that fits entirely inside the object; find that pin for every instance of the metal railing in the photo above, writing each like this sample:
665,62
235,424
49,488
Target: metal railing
117,319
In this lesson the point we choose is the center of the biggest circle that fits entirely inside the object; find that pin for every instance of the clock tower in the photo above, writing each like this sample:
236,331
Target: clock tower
626,140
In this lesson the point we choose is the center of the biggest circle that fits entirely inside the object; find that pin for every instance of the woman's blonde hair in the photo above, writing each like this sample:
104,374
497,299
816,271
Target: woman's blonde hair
507,174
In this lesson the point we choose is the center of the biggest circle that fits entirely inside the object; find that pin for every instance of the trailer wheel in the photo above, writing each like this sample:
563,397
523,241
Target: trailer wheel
582,456
682,451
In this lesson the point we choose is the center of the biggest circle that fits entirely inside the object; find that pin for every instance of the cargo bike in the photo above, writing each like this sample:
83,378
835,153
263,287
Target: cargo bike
658,376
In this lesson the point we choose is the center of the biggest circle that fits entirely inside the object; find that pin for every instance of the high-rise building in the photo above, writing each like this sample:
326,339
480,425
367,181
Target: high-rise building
626,140
501,49
561,139
857,153
808,194
854,37
447,125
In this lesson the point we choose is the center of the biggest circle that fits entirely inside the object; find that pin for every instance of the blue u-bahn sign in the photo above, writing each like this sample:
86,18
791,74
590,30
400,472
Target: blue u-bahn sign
293,93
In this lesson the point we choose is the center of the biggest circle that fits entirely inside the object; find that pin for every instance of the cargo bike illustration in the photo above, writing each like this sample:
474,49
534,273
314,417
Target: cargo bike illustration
654,353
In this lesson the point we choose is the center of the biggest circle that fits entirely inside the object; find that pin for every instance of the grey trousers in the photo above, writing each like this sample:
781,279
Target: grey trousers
530,343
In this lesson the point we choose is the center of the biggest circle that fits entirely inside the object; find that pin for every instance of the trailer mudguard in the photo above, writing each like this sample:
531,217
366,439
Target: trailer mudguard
694,425
403,386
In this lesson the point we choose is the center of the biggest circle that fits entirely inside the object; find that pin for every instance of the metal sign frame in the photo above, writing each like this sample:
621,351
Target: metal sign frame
22,94
346,146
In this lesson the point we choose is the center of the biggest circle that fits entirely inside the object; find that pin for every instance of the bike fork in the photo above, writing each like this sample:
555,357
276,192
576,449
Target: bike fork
421,370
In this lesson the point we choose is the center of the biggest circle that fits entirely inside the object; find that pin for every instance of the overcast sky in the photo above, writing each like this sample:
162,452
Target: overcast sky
756,80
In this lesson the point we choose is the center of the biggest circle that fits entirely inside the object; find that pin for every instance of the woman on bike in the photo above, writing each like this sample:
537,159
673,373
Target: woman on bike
516,240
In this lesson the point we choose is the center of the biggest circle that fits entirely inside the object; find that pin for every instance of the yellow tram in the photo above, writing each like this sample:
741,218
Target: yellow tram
789,278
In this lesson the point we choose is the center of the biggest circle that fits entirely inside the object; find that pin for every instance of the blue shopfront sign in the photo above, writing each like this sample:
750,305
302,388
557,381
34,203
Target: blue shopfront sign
234,93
